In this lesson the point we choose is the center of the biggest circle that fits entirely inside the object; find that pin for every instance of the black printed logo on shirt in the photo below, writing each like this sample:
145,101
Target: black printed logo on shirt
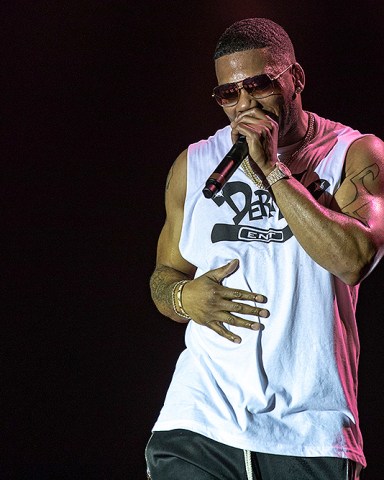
250,206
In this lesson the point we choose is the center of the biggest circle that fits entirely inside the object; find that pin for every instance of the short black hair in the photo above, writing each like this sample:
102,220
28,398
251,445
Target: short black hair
252,33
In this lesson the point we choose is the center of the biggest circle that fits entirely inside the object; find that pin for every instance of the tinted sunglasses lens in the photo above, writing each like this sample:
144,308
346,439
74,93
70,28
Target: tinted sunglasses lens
226,95
259,86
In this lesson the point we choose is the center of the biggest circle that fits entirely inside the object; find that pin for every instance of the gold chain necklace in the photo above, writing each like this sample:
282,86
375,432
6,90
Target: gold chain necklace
246,165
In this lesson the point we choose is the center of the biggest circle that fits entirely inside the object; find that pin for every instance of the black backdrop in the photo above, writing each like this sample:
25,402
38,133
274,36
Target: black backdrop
99,97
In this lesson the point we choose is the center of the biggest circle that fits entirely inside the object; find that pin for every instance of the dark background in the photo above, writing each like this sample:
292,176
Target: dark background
98,99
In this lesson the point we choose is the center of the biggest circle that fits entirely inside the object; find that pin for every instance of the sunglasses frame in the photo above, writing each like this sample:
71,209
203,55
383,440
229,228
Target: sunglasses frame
239,85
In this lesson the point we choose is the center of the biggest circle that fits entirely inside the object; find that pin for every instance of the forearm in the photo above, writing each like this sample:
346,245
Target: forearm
339,243
161,283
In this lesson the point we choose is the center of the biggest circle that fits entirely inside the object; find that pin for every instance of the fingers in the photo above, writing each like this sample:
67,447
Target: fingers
213,305
224,298
232,294
261,131
256,120
244,308
220,329
255,132
226,317
220,273
241,322
229,318
223,332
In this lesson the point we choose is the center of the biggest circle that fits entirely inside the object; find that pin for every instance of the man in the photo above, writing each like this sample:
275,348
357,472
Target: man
266,275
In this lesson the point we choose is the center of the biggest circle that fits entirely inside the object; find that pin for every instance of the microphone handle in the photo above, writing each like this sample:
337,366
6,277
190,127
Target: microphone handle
226,167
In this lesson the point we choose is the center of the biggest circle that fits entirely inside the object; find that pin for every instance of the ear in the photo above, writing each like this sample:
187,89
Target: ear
298,77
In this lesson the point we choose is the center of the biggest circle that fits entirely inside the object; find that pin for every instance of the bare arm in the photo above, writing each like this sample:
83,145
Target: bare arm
205,300
348,238
171,267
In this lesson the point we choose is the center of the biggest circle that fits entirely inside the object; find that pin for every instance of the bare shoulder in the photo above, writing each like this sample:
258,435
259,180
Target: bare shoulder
361,194
365,163
168,253
175,188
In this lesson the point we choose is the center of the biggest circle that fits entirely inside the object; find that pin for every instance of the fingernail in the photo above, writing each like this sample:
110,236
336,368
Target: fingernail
257,326
236,340
261,299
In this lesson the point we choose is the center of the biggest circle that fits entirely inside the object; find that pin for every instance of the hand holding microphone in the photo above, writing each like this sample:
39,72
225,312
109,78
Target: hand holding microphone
262,124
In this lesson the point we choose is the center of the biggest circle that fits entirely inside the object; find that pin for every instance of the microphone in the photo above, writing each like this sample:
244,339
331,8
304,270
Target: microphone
226,167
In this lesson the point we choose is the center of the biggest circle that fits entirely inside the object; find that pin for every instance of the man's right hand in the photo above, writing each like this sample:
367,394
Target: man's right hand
211,304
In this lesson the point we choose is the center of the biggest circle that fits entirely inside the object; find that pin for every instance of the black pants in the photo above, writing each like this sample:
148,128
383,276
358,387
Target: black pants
185,455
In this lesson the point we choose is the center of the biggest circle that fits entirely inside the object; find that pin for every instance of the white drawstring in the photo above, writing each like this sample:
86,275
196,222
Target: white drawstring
248,464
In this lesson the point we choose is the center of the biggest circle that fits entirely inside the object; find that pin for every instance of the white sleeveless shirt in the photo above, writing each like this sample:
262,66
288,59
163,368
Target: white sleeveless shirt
289,389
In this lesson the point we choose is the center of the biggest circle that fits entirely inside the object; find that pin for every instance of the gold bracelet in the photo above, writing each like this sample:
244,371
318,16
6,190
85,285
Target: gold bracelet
176,299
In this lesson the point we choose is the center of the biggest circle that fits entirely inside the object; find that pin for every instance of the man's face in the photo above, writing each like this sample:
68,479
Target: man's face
240,65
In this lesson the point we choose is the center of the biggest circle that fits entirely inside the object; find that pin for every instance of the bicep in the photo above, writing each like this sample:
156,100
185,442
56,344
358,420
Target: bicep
361,194
168,252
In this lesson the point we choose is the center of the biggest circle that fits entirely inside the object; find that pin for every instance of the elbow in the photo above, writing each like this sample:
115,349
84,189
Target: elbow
351,279
358,268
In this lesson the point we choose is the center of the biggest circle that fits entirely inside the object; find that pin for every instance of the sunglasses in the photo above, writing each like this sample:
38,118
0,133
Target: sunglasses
259,86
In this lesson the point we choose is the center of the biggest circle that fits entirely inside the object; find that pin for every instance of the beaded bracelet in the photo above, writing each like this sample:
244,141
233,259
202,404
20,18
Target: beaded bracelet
176,299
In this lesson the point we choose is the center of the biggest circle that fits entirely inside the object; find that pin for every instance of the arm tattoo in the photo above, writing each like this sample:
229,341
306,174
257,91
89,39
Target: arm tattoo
363,183
160,286
161,283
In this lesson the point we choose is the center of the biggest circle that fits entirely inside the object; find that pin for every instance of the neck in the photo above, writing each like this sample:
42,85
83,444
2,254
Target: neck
296,131
291,153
